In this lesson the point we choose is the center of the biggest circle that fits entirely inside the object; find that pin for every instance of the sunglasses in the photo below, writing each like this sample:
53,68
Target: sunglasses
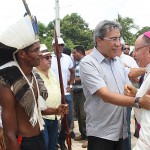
61,44
126,49
47,57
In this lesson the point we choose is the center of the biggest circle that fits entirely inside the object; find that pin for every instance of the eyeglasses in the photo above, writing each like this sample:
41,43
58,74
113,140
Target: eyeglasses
139,48
61,44
126,48
47,57
113,39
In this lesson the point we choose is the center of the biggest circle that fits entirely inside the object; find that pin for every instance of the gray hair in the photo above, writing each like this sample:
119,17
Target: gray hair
103,27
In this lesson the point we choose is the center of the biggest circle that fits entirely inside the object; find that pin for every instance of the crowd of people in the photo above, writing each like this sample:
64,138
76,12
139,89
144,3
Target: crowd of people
100,90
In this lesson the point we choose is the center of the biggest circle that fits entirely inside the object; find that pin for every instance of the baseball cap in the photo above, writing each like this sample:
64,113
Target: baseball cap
44,49
60,41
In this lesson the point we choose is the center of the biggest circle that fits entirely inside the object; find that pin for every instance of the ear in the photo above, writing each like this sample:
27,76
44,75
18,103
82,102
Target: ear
21,53
98,41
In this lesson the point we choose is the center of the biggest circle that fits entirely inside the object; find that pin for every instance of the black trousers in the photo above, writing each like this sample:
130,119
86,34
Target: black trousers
33,143
95,143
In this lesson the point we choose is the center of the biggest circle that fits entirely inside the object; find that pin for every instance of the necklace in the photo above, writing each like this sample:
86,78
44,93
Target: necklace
31,81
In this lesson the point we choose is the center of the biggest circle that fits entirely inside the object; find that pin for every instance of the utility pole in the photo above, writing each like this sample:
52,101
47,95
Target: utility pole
57,19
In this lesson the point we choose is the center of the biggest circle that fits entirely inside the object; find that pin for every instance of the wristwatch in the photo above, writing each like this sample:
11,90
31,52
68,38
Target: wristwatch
136,102
70,86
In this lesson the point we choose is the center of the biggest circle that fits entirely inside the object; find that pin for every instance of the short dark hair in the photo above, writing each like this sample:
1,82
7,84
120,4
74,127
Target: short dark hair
67,51
80,48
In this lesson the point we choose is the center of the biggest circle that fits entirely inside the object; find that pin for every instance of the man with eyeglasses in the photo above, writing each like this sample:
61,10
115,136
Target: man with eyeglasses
103,78
53,100
66,65
142,54
126,49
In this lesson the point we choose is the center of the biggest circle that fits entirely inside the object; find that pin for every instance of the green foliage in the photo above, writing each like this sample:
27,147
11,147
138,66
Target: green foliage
75,31
74,28
127,26
144,29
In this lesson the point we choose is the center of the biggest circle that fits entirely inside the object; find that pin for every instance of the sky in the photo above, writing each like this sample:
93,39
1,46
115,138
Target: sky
92,11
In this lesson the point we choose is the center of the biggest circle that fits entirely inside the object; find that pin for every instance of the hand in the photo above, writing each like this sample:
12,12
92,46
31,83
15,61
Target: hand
144,101
136,72
68,89
130,90
63,109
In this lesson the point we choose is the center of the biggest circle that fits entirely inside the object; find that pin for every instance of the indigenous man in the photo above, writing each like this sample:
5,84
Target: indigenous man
19,92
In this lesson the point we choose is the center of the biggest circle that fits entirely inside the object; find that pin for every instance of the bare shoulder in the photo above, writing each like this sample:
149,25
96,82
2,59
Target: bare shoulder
6,95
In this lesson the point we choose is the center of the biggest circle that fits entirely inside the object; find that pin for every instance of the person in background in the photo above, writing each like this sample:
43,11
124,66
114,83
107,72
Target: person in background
79,98
53,100
66,65
126,49
128,62
103,78
67,51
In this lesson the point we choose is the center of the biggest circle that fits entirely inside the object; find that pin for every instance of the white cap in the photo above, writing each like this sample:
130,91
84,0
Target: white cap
60,41
44,49
19,35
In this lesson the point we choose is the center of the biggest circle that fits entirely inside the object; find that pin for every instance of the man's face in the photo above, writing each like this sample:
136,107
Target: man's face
126,49
61,47
45,62
76,55
142,53
33,55
109,45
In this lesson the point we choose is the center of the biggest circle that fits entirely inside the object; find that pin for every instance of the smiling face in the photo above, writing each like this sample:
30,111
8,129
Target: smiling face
142,52
108,46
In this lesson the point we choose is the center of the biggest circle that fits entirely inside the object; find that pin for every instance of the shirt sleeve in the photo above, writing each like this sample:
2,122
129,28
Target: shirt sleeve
91,76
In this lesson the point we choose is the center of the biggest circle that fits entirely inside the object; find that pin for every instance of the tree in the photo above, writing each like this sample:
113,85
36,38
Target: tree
144,29
75,29
127,27
46,34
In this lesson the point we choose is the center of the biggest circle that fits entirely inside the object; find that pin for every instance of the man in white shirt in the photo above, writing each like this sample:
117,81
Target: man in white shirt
66,64
142,54
128,62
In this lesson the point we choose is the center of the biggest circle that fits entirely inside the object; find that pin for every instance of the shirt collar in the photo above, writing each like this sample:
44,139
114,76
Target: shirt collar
99,57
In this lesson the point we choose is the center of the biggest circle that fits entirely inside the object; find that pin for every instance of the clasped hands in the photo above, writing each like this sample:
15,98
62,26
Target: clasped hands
144,101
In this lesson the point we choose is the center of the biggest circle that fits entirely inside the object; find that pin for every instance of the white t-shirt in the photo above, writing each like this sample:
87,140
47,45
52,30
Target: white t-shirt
128,60
66,64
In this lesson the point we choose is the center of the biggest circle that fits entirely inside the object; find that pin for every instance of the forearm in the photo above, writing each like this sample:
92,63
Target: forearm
77,80
114,98
72,77
50,111
11,142
136,72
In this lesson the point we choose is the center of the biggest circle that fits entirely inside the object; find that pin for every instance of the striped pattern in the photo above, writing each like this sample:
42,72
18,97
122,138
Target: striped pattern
103,120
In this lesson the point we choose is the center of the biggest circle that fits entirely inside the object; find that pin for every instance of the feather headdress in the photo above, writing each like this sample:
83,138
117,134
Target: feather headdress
21,34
